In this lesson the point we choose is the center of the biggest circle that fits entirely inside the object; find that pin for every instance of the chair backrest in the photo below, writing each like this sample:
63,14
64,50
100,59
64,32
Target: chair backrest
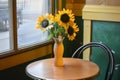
111,61
117,72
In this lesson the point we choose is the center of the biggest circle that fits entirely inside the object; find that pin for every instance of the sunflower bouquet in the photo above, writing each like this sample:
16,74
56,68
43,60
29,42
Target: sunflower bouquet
60,24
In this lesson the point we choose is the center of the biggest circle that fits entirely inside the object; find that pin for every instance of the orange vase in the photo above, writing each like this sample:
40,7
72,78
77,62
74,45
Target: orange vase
58,51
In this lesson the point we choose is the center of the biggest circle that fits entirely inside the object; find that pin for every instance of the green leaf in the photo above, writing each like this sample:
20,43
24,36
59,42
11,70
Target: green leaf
50,36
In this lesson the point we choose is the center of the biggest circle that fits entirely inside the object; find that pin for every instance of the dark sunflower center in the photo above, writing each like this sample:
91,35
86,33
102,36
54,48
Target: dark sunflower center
45,23
65,18
70,30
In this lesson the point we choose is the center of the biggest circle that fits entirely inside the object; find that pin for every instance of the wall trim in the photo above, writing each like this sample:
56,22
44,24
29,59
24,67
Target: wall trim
105,13
97,12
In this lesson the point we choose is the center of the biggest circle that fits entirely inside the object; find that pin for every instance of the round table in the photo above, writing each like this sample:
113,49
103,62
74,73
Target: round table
73,69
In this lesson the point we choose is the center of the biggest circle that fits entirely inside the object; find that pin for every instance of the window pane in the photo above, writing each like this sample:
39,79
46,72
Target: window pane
4,26
27,14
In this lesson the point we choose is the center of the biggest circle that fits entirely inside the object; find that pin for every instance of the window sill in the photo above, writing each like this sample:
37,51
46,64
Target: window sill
25,55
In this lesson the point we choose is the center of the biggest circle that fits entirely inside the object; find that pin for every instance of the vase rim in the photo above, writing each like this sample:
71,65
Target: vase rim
59,39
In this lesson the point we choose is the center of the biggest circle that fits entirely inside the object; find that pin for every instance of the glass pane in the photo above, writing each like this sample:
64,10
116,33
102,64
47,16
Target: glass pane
27,14
4,26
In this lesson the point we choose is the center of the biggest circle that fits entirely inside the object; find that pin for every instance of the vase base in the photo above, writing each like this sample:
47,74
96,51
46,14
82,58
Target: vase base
59,62
59,65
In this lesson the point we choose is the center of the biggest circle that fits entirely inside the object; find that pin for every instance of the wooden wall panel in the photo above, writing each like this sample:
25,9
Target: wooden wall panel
76,6
103,2
96,2
75,1
114,2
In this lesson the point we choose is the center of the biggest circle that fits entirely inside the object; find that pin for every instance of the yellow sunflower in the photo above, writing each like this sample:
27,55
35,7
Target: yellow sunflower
71,31
44,22
64,17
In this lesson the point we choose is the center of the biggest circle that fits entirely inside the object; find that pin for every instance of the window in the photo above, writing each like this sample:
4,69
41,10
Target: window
4,25
17,23
27,13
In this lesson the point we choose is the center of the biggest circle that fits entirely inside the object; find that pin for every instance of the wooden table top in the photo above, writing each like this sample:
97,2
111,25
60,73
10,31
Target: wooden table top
73,69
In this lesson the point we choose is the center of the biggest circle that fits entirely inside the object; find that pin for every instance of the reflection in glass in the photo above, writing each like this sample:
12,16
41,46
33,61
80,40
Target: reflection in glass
4,26
27,14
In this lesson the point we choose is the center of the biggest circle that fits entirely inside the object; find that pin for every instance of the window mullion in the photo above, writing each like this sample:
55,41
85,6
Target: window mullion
14,25
53,6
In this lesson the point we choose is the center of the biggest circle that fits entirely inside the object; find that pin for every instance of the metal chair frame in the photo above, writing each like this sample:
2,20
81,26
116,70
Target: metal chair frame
111,61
